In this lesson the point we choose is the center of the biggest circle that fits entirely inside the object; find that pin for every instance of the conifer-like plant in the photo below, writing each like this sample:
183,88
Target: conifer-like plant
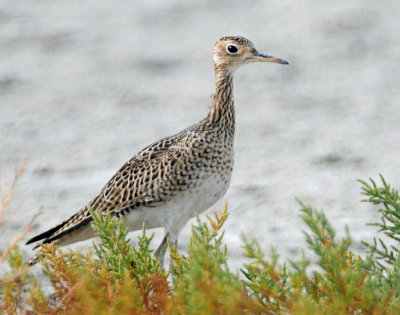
117,277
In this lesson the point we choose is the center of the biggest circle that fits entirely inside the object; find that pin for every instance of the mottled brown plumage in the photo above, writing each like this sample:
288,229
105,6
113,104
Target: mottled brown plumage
176,177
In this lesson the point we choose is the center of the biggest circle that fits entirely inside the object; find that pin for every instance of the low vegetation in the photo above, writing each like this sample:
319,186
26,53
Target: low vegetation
119,278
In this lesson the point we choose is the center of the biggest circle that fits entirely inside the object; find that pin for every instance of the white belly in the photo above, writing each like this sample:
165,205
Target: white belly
174,213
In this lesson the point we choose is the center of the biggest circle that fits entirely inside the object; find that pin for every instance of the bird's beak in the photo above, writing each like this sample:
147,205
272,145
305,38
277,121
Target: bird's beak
266,58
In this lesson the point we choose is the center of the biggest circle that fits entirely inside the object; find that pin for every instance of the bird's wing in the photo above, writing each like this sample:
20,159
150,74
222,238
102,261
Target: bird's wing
147,179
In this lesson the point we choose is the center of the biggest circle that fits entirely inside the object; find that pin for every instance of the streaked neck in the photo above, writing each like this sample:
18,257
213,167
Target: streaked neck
223,110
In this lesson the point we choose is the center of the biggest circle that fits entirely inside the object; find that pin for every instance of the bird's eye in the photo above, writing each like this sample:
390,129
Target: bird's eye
232,49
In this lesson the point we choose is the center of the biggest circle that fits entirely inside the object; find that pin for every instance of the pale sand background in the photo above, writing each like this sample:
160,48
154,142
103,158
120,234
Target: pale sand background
84,85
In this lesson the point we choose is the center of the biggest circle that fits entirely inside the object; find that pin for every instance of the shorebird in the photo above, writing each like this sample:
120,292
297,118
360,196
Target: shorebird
177,177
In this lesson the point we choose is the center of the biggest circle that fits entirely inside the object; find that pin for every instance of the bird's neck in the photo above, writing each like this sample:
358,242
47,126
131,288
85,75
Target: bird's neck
223,110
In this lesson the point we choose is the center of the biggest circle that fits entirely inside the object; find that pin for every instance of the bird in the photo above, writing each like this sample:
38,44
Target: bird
178,177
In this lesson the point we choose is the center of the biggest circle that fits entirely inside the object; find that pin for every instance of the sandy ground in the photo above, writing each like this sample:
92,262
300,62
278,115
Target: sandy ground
85,85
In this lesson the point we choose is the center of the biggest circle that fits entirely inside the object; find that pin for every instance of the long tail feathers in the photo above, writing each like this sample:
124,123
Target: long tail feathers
46,234
54,234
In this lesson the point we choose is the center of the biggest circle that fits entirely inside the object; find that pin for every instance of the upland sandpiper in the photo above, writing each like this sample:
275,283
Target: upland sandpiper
177,177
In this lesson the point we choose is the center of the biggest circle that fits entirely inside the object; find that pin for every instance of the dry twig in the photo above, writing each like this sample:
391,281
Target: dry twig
7,200
19,236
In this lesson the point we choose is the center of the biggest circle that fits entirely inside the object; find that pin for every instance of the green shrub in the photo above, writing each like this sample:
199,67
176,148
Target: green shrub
118,277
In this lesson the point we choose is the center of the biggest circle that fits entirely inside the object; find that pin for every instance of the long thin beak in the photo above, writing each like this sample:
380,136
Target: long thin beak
266,58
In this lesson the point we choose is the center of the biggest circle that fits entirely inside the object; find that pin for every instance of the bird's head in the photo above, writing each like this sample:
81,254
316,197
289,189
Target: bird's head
231,52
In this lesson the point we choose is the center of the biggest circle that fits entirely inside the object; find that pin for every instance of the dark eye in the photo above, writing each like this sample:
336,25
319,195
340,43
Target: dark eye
232,49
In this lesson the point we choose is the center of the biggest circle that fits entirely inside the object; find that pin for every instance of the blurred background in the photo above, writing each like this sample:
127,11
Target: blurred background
84,85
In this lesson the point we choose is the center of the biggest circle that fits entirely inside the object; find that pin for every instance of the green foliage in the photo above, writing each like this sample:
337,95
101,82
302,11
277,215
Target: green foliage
118,277
346,283
202,282
390,219
121,258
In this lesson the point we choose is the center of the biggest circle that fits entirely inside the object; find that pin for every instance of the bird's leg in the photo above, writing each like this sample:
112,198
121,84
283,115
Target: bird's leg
160,252
173,242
